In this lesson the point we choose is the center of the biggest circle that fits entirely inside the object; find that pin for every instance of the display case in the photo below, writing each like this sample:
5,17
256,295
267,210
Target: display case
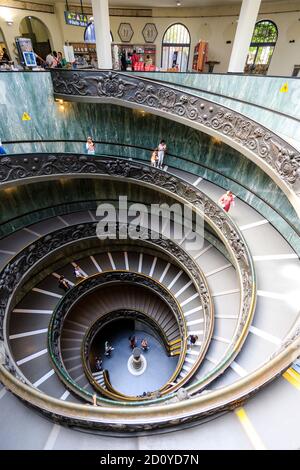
142,51
85,53
200,56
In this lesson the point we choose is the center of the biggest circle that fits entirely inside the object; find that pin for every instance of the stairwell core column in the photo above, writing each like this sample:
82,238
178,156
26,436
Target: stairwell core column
102,33
243,35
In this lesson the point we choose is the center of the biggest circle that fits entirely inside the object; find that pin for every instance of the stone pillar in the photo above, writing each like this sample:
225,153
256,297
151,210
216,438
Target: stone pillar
136,358
102,32
243,35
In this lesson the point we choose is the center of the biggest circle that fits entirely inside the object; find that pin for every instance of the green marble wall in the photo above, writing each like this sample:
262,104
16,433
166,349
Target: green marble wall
118,128
254,90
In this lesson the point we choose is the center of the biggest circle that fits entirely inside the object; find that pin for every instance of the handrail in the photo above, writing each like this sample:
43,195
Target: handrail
273,154
169,154
85,287
178,189
179,86
156,416
95,328
182,259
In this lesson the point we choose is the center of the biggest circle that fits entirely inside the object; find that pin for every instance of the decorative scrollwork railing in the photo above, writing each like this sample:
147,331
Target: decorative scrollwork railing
58,239
40,166
270,150
107,319
157,417
84,288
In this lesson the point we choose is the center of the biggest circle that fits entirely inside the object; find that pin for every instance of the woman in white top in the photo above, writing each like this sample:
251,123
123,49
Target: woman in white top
90,146
161,153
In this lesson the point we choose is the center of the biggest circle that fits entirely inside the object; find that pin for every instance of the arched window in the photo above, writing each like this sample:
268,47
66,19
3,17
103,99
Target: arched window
89,34
262,47
37,31
176,48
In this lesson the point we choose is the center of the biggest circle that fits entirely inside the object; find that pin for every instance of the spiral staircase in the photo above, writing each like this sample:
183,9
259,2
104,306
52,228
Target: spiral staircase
237,291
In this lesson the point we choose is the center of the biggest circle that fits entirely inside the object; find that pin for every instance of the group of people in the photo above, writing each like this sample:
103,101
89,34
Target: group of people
132,59
133,342
158,155
55,60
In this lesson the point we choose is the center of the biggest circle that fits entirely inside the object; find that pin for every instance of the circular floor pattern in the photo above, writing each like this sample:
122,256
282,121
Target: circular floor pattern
153,376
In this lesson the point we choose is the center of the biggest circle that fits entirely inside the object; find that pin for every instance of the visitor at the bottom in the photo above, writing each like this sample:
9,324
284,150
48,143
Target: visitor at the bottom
132,342
108,349
145,344
98,363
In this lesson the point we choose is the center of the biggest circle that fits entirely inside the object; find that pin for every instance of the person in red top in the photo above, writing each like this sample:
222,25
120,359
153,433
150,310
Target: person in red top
227,200
134,59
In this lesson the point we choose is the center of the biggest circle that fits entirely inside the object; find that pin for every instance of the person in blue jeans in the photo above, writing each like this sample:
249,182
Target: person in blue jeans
2,149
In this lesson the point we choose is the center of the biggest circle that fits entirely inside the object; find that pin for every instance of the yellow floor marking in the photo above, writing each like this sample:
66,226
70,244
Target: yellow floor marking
293,377
249,429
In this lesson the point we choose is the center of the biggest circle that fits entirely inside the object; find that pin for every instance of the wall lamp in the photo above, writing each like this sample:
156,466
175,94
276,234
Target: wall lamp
9,22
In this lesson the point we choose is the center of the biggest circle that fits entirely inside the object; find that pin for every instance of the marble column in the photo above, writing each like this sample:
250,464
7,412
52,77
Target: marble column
102,32
243,35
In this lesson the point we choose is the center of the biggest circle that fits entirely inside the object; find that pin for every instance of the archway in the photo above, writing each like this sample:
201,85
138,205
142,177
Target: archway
37,31
176,48
262,47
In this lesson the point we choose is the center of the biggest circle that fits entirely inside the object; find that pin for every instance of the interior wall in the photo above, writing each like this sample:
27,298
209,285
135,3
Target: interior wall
13,31
129,128
216,25
40,29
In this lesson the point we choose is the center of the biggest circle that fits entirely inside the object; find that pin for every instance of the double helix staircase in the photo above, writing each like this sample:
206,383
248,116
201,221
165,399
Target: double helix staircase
276,313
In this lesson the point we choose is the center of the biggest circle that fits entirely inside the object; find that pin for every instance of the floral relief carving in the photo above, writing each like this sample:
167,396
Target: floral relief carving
267,146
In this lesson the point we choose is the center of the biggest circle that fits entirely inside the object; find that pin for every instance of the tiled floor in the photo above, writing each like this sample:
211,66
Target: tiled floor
159,366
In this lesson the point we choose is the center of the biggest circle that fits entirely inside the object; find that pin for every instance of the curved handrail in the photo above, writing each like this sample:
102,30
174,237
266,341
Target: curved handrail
157,417
273,154
33,168
169,247
101,323
201,164
85,287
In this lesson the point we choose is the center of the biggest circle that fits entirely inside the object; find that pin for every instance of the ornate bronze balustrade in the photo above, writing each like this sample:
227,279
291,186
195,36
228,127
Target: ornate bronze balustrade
269,150
46,166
